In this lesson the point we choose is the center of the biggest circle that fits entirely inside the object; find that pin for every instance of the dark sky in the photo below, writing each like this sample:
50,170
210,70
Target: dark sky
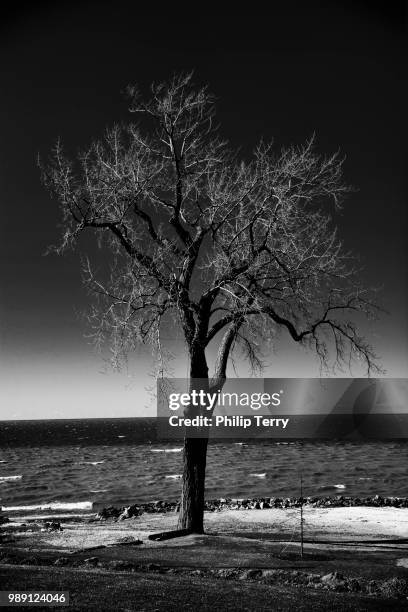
334,68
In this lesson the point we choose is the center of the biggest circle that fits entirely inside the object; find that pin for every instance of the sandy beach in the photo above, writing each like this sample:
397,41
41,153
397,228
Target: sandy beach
323,527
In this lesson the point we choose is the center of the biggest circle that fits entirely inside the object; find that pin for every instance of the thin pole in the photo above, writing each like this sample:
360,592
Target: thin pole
301,515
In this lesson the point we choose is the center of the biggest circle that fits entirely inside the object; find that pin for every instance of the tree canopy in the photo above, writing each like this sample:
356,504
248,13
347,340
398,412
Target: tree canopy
232,249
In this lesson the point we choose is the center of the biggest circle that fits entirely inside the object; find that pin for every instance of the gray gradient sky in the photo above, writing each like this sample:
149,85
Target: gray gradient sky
334,68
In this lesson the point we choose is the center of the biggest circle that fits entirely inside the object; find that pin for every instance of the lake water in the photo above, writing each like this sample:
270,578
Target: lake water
81,465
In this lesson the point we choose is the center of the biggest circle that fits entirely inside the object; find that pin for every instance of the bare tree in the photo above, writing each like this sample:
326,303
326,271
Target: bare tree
229,250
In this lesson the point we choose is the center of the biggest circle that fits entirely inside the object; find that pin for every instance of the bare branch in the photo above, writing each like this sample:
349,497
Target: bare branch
210,243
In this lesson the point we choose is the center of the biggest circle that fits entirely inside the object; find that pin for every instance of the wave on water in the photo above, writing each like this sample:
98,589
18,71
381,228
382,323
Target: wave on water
166,450
90,462
98,490
3,461
334,486
285,443
10,478
86,505
173,476
263,475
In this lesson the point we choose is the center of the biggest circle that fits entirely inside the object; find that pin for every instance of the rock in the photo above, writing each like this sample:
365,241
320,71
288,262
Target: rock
314,578
251,574
153,567
129,512
121,566
226,572
394,587
332,576
271,574
62,561
133,511
93,561
129,540
254,503
372,588
353,585
334,581
52,526
109,512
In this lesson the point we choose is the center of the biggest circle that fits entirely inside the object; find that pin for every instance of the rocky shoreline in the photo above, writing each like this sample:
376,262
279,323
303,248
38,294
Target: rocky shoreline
257,503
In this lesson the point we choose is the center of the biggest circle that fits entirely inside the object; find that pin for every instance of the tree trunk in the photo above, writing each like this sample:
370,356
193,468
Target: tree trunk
192,496
195,454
